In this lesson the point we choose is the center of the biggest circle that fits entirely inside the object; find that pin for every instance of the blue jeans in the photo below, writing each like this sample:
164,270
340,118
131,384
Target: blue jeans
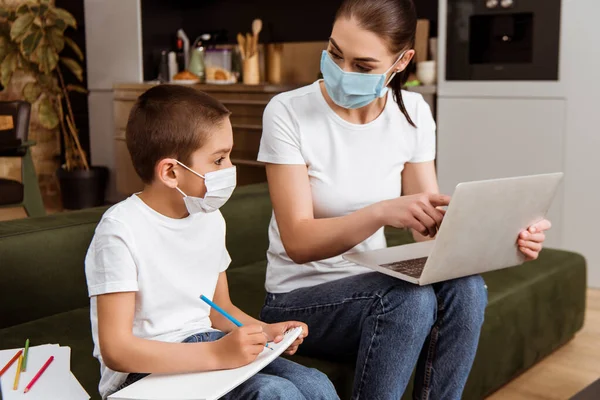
281,379
387,326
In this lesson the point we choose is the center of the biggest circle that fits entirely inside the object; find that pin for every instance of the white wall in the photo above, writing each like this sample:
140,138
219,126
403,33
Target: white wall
581,72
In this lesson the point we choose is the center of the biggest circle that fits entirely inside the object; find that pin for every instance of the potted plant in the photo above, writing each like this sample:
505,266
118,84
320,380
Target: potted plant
32,40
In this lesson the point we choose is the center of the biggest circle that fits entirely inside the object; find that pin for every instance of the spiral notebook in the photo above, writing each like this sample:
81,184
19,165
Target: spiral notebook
202,385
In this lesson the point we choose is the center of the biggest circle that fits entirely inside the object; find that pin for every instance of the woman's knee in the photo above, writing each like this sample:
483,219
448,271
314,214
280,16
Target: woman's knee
468,298
412,304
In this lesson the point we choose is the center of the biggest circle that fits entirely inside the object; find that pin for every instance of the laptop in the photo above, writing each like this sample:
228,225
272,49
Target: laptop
478,234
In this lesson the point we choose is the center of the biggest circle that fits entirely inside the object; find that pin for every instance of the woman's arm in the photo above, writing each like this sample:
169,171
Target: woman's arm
419,178
306,238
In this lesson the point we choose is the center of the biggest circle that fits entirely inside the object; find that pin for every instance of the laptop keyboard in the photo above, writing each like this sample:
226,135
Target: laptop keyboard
412,268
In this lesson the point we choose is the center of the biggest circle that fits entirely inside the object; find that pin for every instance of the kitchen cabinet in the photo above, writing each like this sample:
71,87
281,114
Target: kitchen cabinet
246,103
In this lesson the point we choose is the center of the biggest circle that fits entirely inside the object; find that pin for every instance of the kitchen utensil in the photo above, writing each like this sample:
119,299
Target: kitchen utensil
257,25
250,50
242,44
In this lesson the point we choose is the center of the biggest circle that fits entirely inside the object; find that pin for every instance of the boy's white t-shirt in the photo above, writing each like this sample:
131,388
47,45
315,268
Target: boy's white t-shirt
350,166
168,262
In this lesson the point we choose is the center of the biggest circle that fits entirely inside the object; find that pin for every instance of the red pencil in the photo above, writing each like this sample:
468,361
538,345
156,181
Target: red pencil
12,360
40,372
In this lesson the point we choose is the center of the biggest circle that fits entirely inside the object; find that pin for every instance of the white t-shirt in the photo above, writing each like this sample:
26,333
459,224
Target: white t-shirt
350,166
168,262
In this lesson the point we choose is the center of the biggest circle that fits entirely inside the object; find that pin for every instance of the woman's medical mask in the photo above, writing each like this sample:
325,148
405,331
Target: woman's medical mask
353,89
219,187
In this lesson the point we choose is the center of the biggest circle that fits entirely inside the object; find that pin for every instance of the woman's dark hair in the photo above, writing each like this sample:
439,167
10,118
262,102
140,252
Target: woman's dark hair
393,20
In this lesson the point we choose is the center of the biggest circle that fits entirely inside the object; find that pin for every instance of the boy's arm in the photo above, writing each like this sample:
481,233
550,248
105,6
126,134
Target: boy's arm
122,351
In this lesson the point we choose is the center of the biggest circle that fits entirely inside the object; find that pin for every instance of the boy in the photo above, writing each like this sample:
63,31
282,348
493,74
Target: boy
154,253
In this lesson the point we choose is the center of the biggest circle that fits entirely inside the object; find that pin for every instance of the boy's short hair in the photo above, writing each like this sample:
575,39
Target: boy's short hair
170,121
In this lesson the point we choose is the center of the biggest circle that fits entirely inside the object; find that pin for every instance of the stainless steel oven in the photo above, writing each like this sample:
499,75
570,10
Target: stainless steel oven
492,40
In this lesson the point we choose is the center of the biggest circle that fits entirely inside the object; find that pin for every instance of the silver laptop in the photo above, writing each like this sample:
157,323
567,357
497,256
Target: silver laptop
478,234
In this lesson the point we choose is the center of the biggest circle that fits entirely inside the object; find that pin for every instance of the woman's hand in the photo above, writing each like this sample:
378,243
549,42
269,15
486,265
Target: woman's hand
418,212
531,241
276,331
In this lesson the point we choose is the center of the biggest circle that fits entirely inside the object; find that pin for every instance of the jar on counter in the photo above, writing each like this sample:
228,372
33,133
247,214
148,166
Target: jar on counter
218,66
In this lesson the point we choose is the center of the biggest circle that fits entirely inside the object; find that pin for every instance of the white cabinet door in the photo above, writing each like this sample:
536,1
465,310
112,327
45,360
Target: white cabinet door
487,138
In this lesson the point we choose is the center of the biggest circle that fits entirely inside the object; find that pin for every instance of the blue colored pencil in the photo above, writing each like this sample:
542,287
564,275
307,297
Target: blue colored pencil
224,313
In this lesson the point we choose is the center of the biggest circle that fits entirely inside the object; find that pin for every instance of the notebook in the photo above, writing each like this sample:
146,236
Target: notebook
56,383
202,385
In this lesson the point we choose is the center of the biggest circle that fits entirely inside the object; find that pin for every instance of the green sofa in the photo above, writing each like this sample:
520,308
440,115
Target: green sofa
532,309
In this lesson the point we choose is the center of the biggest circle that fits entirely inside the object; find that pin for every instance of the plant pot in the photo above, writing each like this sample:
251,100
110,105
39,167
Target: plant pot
83,189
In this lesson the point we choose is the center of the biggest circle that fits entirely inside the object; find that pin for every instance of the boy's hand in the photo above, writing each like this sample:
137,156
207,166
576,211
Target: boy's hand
274,333
240,347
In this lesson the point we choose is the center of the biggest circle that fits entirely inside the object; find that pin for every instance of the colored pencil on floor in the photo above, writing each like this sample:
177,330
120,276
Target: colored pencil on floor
18,374
11,362
37,376
25,353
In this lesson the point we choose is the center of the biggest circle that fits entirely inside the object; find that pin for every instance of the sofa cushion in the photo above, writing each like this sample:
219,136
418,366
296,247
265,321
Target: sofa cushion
71,329
42,265
247,215
532,310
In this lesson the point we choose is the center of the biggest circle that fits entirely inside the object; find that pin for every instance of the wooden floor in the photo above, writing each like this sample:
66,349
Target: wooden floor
558,377
568,370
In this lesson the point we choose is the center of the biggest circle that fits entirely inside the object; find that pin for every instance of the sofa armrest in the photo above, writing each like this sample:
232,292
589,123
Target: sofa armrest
397,237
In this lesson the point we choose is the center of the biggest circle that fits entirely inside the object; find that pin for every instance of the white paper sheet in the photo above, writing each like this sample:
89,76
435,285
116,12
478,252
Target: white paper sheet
56,383
202,385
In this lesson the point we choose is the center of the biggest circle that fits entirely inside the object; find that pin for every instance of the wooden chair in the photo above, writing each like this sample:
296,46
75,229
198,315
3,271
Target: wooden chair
14,143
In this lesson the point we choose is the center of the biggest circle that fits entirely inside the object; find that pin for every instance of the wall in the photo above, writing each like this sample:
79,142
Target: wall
581,63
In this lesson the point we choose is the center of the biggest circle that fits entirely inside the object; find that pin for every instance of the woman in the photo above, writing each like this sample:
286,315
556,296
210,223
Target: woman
339,154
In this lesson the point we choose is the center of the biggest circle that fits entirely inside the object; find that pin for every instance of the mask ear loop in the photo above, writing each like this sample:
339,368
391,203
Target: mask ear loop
192,171
394,73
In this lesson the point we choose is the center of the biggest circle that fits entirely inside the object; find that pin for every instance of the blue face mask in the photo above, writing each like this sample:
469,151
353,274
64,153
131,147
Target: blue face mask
353,89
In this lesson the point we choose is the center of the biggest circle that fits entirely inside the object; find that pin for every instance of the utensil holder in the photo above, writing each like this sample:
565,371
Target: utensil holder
251,73
274,54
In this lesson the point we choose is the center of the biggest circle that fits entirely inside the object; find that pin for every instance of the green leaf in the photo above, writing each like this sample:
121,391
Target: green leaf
76,88
31,92
23,9
5,47
59,23
7,68
31,41
46,58
73,66
49,82
47,114
21,26
65,16
56,38
74,46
